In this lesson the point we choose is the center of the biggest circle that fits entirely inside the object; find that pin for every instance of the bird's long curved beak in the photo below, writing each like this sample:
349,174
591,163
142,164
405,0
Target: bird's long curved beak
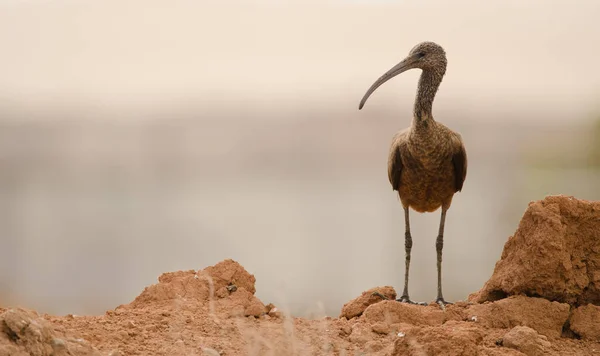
406,64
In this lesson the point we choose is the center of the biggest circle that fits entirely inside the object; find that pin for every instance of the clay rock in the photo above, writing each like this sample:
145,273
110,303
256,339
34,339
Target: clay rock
230,273
451,339
546,317
585,322
217,281
358,305
273,311
241,303
20,327
25,333
526,340
392,312
554,254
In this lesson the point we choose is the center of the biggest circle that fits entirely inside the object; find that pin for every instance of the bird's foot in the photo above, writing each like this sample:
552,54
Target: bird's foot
442,303
406,299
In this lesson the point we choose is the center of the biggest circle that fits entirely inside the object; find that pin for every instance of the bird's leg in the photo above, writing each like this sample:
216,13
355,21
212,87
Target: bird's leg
407,247
439,245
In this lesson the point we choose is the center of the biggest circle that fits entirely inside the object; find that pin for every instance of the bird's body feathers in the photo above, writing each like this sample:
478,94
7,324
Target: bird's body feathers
427,164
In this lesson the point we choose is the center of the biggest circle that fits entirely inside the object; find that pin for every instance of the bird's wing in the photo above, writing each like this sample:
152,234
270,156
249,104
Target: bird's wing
395,165
459,161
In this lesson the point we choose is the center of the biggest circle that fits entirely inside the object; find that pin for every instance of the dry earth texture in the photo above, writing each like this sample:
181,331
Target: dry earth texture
542,299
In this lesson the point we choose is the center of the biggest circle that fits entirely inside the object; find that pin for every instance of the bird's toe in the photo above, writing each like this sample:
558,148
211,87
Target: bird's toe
442,303
406,299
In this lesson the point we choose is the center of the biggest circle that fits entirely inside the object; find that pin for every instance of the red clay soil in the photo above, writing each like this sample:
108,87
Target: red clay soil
541,300
554,254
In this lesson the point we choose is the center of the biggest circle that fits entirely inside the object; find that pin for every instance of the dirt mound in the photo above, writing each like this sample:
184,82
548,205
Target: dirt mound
554,254
206,287
215,312
209,312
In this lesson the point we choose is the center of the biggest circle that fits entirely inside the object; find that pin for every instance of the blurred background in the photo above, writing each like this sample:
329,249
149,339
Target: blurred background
141,137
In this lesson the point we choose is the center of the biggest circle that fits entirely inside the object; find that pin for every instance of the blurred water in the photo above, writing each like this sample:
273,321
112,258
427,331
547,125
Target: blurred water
94,211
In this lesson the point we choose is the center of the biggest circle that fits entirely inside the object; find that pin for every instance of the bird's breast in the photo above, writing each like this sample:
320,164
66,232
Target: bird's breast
427,178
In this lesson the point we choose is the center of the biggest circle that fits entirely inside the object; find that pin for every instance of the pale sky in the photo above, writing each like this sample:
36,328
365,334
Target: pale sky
295,50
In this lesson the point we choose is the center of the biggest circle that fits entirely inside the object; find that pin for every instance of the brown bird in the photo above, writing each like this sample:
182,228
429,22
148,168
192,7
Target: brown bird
427,161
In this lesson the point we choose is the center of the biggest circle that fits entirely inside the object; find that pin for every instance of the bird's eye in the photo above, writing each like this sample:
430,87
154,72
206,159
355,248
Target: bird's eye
421,54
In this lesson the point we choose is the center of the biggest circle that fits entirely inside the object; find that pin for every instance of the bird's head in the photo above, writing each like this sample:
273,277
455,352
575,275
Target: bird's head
426,56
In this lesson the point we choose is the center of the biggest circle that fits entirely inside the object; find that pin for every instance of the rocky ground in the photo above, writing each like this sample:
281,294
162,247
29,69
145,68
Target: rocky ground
542,299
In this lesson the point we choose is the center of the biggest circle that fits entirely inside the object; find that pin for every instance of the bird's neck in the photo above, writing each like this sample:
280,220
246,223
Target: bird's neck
428,85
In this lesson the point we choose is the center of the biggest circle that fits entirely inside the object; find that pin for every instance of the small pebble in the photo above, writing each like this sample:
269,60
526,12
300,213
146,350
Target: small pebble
210,352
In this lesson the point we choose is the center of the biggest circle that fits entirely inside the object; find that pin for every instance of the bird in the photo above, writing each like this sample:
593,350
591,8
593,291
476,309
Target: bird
427,161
